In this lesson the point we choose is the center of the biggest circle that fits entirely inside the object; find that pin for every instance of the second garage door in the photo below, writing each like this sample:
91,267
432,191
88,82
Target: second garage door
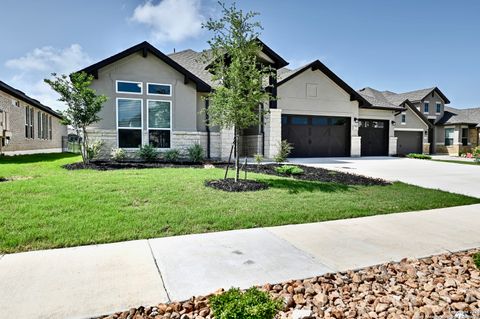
317,136
374,135
409,142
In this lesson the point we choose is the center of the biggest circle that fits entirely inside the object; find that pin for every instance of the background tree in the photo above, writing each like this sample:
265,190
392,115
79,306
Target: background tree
83,104
237,73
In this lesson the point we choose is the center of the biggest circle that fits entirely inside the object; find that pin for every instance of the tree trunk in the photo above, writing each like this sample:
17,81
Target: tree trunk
237,157
84,146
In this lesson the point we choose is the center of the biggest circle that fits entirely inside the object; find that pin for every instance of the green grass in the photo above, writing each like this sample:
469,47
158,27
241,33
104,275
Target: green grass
476,260
46,206
458,162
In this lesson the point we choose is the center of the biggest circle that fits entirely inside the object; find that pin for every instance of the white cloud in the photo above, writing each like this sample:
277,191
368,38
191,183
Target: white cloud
171,20
38,64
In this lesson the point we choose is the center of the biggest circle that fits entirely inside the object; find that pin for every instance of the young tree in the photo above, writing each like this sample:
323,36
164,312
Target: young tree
83,103
239,76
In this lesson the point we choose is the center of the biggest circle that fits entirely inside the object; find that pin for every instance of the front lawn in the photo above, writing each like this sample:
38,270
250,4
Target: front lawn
46,206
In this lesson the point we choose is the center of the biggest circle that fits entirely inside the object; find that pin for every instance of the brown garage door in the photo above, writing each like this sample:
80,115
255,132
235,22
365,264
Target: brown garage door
409,142
374,135
317,136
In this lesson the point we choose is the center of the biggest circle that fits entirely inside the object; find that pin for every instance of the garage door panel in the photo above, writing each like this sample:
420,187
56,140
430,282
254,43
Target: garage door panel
320,137
374,134
409,142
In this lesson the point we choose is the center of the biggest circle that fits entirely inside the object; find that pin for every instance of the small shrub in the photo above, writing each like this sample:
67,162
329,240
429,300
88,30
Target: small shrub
284,149
289,170
172,155
419,156
147,153
195,153
251,304
476,260
258,158
94,149
118,154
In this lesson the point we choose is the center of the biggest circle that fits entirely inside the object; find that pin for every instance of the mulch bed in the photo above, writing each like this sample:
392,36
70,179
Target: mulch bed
109,166
436,287
3,179
320,175
309,173
242,185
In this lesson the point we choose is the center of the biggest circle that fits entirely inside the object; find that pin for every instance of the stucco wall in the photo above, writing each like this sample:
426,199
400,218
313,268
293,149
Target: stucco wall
19,144
432,106
150,69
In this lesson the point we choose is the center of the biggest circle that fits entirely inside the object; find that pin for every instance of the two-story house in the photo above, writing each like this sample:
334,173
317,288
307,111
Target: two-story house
26,125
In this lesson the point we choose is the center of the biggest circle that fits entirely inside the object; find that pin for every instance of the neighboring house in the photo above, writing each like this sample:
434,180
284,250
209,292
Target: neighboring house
460,129
427,125
26,125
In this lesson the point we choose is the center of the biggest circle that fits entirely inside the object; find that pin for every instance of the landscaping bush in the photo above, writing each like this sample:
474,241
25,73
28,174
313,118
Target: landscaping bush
284,149
476,154
476,260
172,155
195,153
94,149
251,304
118,154
258,158
148,153
289,170
419,156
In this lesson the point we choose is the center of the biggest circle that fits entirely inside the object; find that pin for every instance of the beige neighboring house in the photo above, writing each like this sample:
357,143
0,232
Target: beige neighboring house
26,125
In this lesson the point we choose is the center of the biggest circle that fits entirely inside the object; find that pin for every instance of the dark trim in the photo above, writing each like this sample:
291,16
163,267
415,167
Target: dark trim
25,98
279,62
420,114
437,90
272,81
317,65
207,126
399,108
146,47
262,129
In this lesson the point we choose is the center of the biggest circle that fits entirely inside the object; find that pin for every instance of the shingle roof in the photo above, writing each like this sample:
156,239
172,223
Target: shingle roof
195,62
378,99
22,96
460,116
416,96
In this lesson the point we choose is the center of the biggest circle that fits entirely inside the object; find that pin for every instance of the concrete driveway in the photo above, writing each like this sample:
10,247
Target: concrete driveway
450,177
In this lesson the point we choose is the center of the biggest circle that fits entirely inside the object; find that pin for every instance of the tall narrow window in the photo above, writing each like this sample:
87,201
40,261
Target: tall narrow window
449,132
27,122
32,120
129,122
465,136
50,127
404,118
438,109
159,123
39,125
426,107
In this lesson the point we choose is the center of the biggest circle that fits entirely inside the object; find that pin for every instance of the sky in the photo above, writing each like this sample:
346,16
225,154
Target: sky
396,45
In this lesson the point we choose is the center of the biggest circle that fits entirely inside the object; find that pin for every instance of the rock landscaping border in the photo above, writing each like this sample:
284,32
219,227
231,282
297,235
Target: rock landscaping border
442,286
242,185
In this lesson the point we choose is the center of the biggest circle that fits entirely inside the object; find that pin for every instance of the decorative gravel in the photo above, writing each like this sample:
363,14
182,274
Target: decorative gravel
320,175
443,286
242,185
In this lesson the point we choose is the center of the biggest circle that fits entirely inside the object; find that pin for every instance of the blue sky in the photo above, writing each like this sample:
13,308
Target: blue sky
397,45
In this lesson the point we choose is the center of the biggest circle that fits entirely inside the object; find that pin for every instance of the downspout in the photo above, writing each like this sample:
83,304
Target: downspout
207,127
262,129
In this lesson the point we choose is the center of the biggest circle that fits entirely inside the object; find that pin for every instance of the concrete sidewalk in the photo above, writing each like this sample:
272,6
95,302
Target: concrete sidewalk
88,281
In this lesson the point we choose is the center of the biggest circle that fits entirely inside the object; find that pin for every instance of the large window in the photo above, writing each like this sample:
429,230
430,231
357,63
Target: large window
129,87
159,123
449,133
464,136
129,122
159,89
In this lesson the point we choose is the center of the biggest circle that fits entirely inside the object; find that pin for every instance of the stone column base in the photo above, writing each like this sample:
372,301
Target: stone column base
392,146
426,148
356,146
